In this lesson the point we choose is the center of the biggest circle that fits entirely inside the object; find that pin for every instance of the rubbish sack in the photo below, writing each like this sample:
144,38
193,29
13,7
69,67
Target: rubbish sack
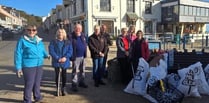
169,94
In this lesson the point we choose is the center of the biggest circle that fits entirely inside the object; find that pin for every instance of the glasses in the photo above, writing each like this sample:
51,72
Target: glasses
31,30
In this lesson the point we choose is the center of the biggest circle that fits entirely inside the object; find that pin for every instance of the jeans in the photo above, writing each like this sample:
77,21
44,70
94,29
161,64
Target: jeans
97,68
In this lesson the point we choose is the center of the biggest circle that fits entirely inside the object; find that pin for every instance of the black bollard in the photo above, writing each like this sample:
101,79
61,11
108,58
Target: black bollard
184,43
206,41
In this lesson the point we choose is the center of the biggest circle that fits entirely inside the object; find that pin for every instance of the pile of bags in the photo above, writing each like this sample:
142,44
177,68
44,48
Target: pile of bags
152,82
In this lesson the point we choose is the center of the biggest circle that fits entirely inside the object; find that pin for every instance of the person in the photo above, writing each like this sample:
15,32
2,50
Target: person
60,50
78,57
106,35
139,48
98,48
28,59
131,33
123,45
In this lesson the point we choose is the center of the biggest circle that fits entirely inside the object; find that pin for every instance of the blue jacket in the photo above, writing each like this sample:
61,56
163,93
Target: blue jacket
29,53
54,51
72,37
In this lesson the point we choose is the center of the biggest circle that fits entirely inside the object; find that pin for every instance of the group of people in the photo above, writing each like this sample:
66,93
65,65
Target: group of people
65,49
131,46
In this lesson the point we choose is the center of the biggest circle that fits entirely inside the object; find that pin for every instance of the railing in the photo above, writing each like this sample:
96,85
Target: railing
189,41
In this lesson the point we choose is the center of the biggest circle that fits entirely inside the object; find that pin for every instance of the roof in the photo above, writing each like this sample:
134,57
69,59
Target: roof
132,16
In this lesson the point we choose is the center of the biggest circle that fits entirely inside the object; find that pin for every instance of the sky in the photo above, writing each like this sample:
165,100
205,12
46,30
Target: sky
35,7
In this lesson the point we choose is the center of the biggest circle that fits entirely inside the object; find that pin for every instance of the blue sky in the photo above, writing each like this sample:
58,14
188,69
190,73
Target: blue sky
35,7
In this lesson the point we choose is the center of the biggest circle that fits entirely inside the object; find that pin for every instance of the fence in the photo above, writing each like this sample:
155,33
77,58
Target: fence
189,41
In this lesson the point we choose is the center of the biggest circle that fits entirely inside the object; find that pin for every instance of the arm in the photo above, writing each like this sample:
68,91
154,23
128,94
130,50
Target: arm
92,47
52,51
119,45
46,55
69,51
18,55
109,42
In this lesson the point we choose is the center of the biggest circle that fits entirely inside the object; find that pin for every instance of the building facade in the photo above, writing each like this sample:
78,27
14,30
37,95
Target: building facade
185,16
144,14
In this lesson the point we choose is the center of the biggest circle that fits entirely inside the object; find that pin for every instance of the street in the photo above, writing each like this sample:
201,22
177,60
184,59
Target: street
11,87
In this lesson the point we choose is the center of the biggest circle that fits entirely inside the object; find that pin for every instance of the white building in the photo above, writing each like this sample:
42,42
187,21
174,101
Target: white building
116,14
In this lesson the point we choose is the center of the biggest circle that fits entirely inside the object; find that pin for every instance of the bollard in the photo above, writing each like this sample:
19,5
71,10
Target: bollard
202,41
184,43
192,42
179,42
206,41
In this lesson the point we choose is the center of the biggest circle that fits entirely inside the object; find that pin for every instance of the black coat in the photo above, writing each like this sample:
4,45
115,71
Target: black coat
97,44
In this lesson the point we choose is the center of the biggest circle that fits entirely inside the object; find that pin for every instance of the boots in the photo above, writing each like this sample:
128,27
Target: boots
64,91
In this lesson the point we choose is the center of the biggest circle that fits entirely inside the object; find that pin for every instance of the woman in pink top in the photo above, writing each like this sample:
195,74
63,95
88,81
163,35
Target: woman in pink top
131,33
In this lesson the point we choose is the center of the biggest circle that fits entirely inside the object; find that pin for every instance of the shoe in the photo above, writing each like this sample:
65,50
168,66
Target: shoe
64,92
102,82
96,83
40,101
83,85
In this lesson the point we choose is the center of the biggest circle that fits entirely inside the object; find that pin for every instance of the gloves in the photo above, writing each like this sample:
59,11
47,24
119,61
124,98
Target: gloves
19,73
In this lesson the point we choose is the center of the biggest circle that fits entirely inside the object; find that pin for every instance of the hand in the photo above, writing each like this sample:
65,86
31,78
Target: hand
127,53
63,59
101,54
19,73
48,57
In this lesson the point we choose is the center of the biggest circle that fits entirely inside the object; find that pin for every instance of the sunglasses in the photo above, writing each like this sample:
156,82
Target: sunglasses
31,30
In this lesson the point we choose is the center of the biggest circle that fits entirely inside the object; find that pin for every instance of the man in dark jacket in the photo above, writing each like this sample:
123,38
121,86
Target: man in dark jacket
78,58
106,35
98,49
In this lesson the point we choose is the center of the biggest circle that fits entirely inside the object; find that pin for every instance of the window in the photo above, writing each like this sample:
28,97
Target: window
198,11
105,5
202,13
82,5
74,7
190,10
194,11
186,10
109,24
206,12
148,27
148,7
181,9
170,11
131,6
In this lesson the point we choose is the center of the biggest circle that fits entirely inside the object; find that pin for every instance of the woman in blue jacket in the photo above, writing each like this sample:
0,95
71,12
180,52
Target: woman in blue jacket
61,50
28,59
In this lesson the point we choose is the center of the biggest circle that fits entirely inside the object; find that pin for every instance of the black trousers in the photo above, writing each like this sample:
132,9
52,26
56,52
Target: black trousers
126,72
63,76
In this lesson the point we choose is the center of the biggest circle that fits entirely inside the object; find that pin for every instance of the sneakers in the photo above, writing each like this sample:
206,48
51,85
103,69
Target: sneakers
83,85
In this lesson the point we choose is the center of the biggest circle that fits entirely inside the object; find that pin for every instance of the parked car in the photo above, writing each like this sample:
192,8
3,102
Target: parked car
7,34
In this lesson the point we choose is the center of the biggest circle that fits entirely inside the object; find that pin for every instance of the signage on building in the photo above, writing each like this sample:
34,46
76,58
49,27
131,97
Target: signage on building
201,19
